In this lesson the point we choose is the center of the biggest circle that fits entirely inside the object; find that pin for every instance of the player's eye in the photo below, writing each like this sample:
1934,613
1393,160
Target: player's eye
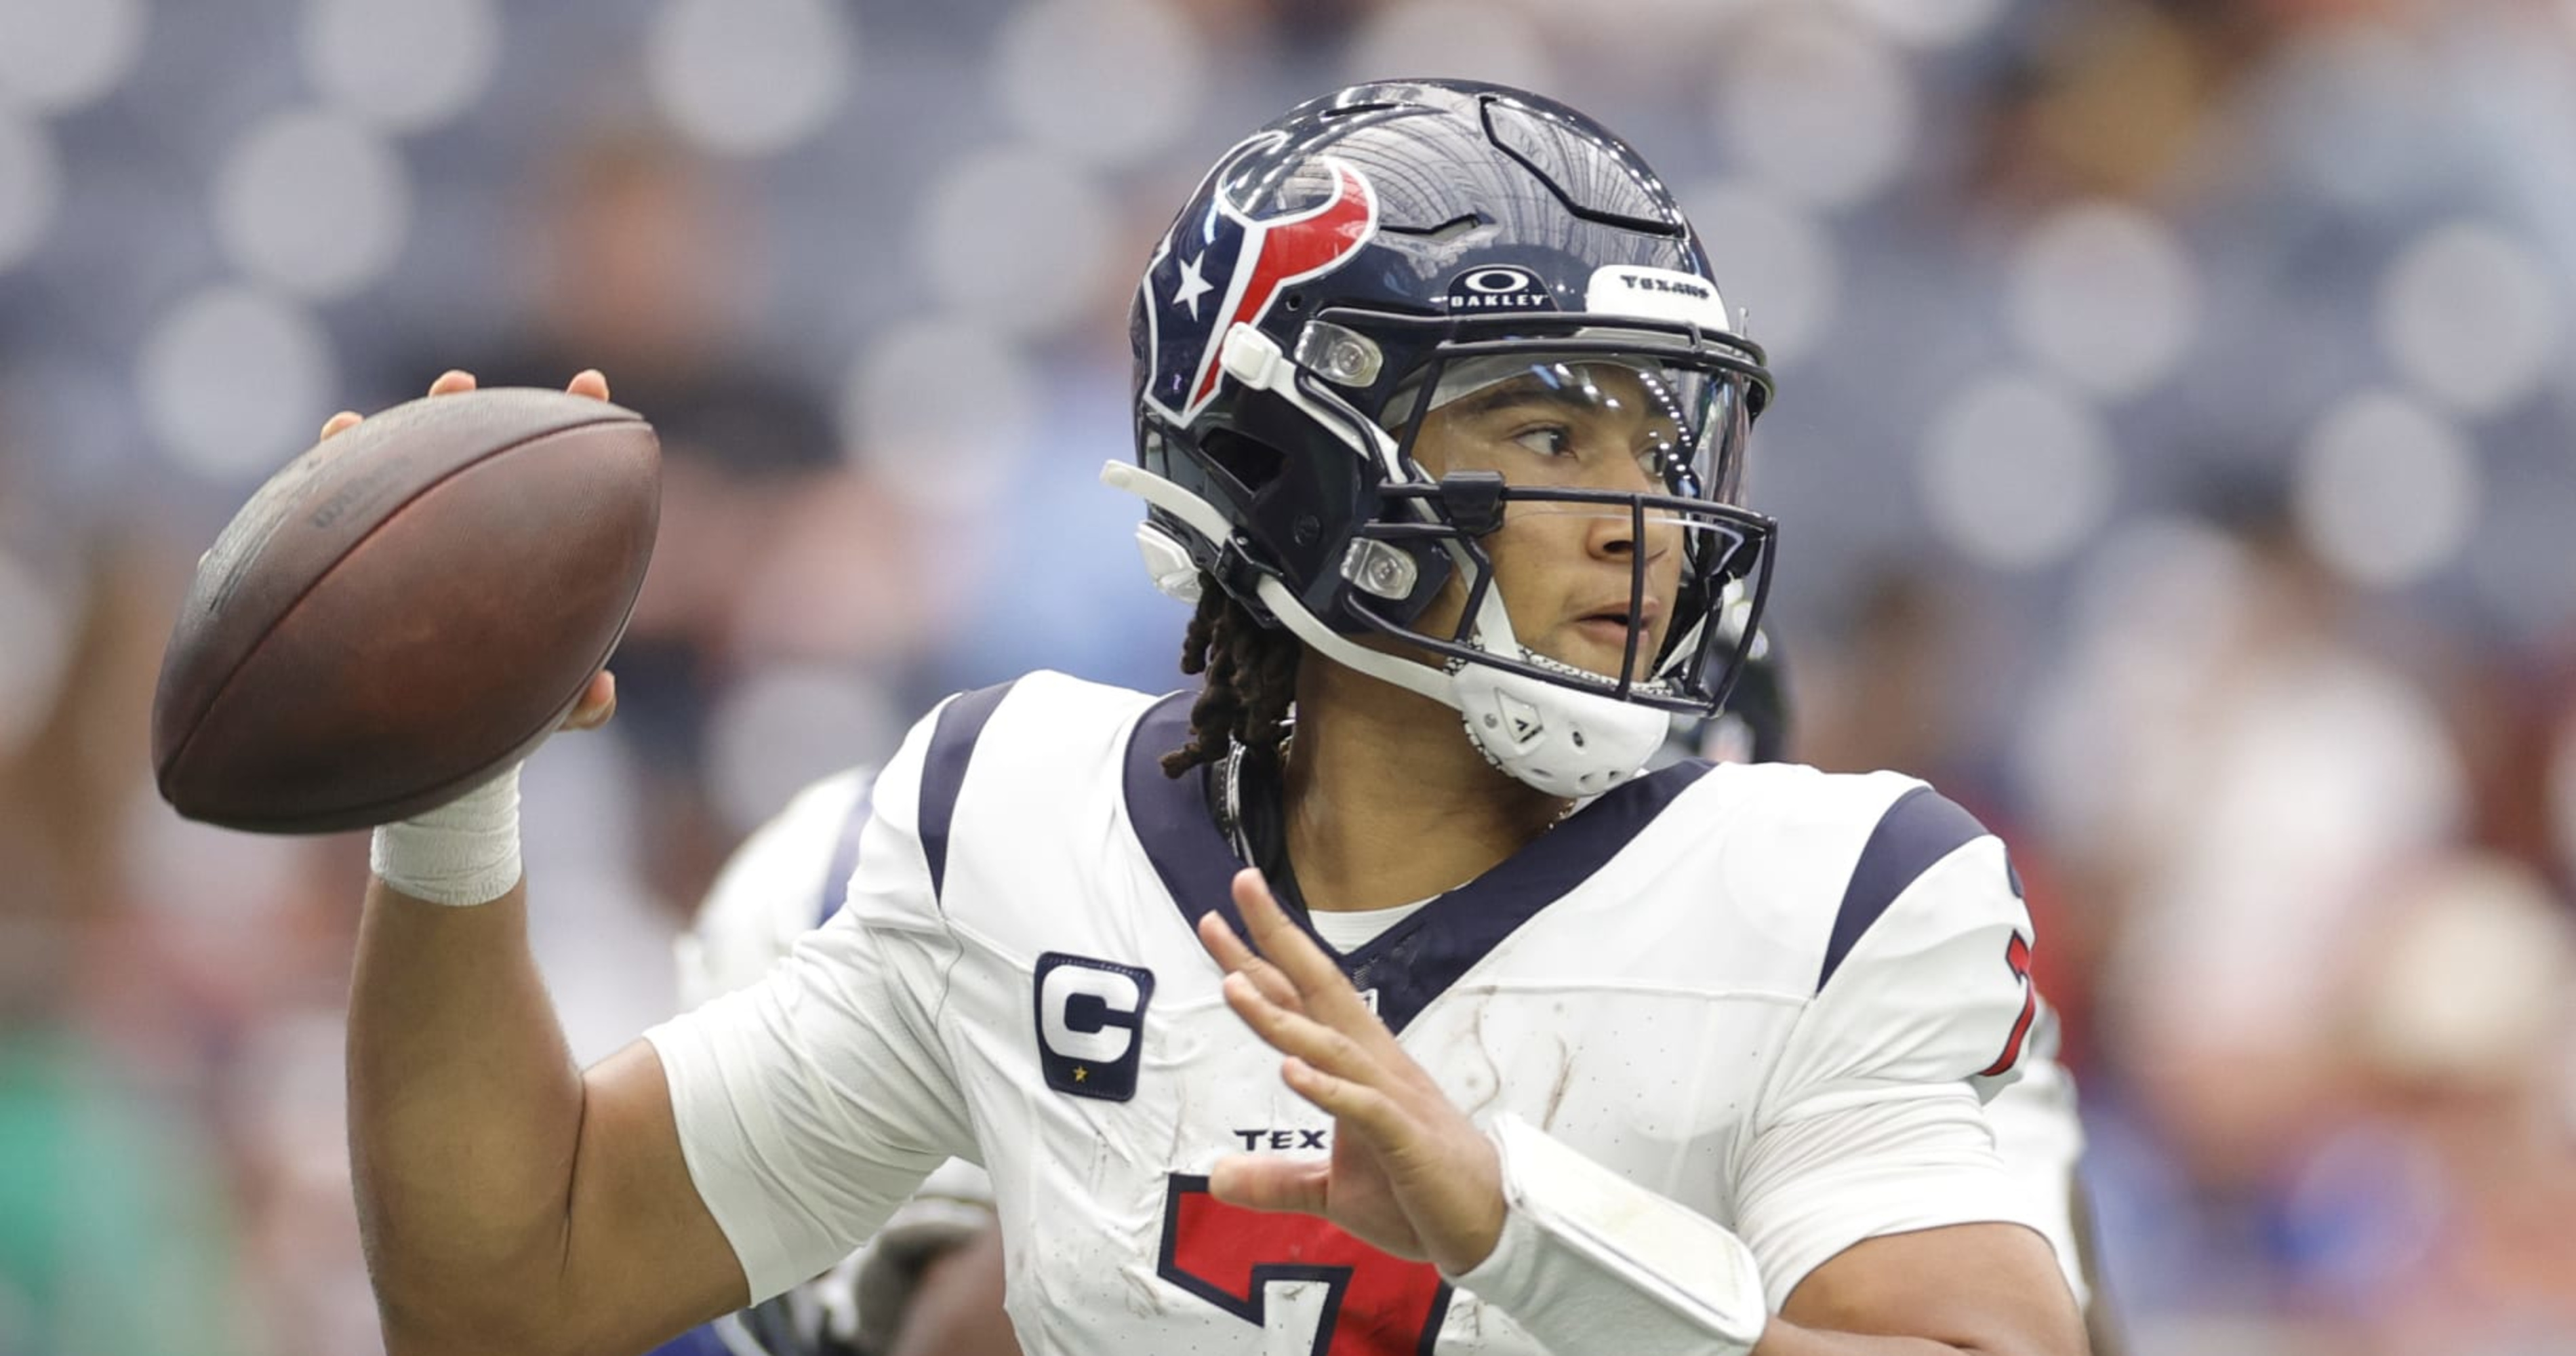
1547,440
1657,454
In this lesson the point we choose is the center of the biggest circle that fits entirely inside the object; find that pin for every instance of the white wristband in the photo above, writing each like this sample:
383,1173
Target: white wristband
1590,1261
463,852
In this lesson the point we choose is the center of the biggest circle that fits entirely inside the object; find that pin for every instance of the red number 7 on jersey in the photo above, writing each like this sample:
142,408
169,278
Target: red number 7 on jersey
1224,1254
2016,955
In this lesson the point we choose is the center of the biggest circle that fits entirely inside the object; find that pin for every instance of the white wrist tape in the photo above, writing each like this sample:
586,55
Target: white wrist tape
1590,1261
463,852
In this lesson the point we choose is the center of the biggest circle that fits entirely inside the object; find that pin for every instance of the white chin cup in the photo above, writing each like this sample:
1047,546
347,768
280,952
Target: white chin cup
1555,739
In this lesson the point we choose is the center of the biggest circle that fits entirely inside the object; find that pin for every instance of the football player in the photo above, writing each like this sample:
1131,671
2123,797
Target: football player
1371,999
792,874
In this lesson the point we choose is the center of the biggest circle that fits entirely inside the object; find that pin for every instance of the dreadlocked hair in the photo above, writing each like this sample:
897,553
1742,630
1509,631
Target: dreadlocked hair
1251,683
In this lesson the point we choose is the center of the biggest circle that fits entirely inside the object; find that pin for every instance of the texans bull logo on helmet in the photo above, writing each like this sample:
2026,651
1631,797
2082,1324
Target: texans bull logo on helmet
1221,267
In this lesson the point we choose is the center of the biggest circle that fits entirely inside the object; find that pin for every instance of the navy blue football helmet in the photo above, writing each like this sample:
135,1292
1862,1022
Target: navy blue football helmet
1374,256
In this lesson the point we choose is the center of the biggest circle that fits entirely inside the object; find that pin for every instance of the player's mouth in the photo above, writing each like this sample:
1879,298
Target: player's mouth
1608,625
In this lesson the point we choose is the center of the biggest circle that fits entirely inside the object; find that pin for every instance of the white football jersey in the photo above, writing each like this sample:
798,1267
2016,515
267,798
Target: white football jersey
787,879
1776,996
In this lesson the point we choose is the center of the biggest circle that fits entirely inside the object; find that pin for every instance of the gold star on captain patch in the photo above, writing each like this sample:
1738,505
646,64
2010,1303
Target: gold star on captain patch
1080,1073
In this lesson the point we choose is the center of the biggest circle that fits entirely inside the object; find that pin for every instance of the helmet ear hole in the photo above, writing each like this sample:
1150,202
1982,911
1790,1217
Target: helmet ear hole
1252,464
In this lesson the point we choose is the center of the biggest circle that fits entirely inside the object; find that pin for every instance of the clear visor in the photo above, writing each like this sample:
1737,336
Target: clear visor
1631,421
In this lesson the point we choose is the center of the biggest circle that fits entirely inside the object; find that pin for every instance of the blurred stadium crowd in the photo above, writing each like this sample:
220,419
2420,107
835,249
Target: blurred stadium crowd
2176,455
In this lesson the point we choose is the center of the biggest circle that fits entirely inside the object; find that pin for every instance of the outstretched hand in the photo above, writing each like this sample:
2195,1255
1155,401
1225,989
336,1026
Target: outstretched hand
1409,1174
599,699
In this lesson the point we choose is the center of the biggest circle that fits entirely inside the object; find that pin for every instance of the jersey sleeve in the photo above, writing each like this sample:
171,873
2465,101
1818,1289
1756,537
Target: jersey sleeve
812,1103
1872,1121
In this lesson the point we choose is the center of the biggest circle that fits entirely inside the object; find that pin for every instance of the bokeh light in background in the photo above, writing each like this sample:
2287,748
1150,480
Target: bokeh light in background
750,77
230,378
2386,491
940,408
2016,472
2471,318
1819,106
1420,37
975,242
57,56
2104,294
406,65
1066,70
313,203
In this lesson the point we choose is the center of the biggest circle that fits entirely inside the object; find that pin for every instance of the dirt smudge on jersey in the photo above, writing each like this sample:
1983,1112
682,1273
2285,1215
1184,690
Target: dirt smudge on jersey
1564,1079
1143,1300
1475,1041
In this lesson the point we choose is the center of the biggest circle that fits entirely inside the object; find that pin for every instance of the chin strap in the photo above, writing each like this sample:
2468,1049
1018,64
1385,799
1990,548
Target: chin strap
1554,739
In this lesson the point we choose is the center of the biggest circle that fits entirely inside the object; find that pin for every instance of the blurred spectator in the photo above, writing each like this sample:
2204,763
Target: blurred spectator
2436,1216
107,1192
649,261
2242,783
2040,280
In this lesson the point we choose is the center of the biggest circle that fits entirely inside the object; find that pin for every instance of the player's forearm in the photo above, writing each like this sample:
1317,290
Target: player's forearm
464,1110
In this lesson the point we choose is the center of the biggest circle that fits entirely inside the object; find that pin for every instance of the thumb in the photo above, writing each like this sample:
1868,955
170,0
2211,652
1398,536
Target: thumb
1259,1182
598,702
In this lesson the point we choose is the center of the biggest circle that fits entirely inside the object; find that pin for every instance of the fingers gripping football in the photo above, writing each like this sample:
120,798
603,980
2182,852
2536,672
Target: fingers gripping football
599,700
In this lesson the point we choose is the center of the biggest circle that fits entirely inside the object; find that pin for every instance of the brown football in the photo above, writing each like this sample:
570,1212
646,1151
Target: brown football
405,609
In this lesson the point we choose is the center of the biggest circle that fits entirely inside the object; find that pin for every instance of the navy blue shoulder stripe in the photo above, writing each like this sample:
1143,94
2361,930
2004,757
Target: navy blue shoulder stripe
845,851
943,771
1920,829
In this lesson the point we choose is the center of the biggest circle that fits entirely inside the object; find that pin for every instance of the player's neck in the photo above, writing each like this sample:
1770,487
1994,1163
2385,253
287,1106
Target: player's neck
1387,802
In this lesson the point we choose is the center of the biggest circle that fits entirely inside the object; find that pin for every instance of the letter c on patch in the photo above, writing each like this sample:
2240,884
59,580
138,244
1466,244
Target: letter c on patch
1075,1005
1091,1022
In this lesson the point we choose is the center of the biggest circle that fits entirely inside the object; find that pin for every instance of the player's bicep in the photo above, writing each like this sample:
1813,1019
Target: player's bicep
1981,1287
643,1257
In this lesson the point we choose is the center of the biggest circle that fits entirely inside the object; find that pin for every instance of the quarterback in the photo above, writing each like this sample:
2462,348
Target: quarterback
927,1282
1371,998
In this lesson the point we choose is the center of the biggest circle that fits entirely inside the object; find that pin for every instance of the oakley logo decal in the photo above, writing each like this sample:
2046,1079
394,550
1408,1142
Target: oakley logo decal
1499,287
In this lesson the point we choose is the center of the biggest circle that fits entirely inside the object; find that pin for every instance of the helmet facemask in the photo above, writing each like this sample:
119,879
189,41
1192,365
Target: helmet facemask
1417,566
1615,443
